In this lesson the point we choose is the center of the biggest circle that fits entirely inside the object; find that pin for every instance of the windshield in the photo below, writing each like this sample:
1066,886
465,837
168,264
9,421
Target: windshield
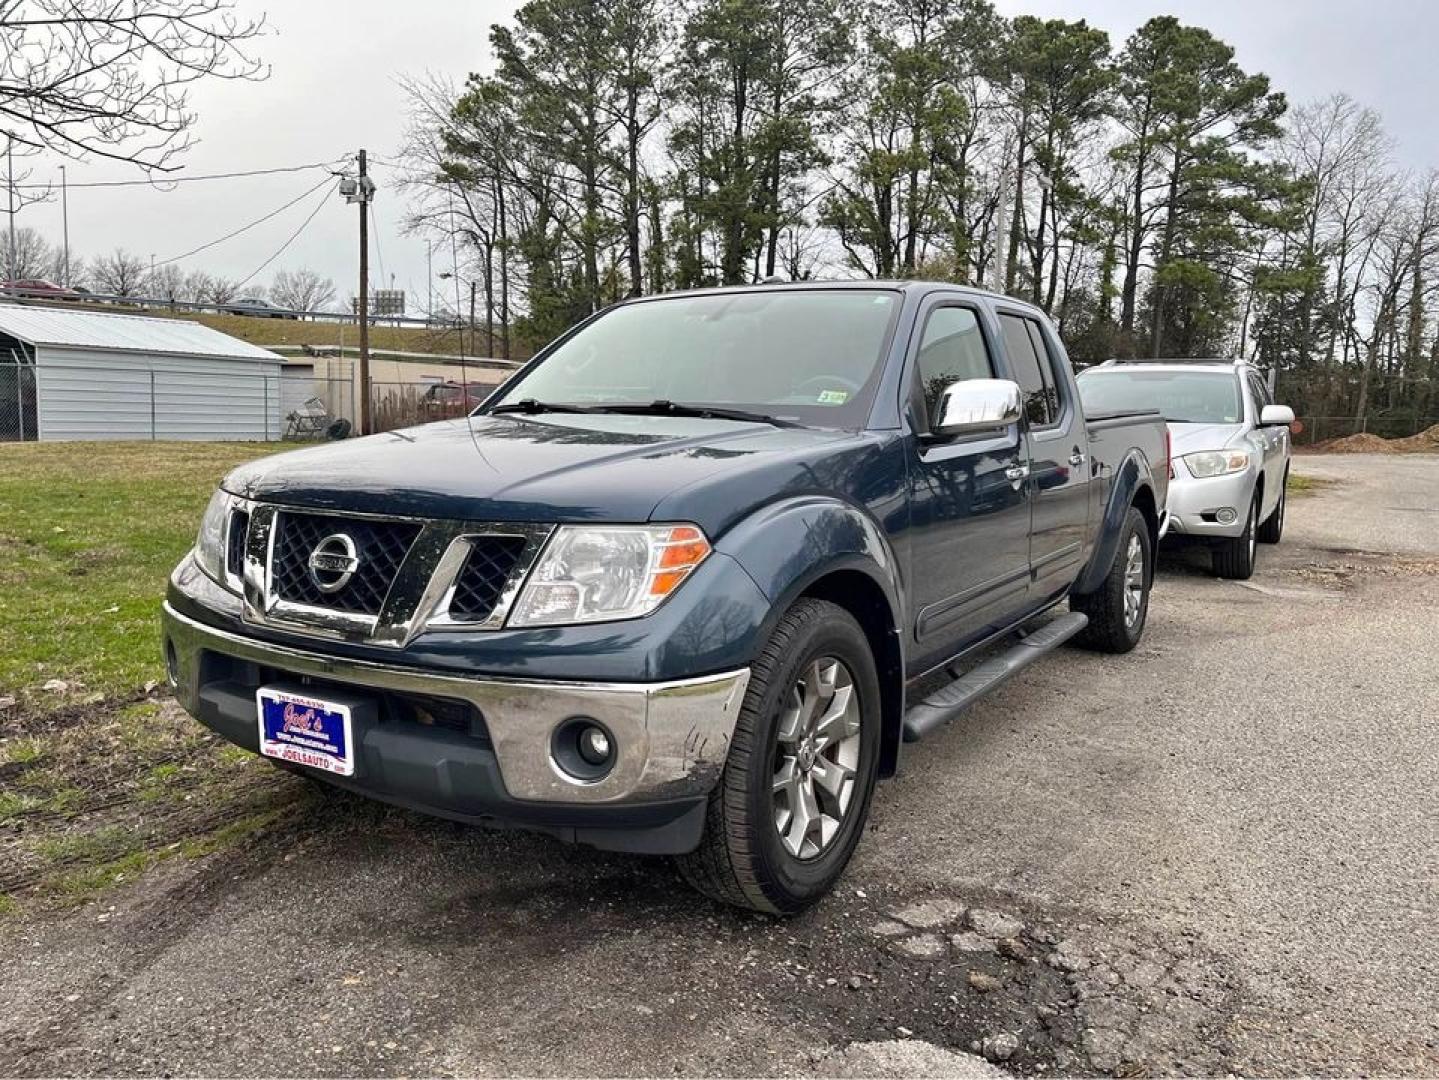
1182,397
811,356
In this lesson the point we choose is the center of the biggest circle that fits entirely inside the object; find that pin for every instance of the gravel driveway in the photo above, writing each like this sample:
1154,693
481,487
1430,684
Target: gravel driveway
1219,854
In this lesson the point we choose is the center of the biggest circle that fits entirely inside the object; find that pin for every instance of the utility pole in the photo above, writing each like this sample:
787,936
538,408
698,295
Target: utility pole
429,279
473,350
361,191
65,224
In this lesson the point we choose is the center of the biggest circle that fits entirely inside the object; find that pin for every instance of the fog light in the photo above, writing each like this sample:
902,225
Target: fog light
582,750
594,745
1227,516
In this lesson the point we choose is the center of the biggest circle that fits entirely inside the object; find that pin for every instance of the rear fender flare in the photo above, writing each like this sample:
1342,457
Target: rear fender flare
1131,476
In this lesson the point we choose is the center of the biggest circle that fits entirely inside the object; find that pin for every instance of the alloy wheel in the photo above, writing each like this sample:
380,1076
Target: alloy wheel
816,758
1133,581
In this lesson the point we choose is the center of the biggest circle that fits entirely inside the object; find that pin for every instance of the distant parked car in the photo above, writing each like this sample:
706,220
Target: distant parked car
256,307
36,286
450,398
1231,448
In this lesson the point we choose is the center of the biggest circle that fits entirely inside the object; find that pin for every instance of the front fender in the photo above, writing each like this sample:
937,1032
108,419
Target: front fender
789,545
1131,476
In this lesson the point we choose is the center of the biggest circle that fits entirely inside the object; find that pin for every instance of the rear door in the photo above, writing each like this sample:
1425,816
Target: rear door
969,504
1056,446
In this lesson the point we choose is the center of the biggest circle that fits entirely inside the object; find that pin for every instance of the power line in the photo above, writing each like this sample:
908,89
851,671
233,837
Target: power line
293,236
161,182
379,255
245,228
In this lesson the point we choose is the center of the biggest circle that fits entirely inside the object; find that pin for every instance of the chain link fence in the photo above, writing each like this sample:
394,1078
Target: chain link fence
1314,430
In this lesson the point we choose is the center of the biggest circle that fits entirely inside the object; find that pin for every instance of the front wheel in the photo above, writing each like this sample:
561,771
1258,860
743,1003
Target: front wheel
1272,530
1235,558
1118,609
790,807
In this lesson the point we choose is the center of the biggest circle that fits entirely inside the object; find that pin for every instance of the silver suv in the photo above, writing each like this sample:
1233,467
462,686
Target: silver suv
1230,458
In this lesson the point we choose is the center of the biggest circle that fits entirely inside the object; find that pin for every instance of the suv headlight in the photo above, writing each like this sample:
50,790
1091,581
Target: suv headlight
598,573
1216,462
210,544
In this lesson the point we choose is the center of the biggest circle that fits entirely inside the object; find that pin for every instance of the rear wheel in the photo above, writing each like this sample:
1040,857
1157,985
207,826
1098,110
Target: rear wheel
791,804
1118,609
1273,527
1235,558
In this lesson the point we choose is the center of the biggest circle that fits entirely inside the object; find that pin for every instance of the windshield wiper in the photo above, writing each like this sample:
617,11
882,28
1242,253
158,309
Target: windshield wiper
531,406
662,407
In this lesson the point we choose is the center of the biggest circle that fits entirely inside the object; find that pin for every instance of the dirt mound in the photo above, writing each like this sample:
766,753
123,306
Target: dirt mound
1427,441
1361,443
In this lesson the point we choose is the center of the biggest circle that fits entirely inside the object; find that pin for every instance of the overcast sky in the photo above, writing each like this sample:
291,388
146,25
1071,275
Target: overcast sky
333,89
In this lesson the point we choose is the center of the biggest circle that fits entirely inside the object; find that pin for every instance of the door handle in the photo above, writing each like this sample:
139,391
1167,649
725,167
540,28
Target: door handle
1076,459
1017,472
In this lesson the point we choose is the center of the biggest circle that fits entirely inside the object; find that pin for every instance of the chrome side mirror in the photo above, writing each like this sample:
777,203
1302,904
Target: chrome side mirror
1276,416
973,406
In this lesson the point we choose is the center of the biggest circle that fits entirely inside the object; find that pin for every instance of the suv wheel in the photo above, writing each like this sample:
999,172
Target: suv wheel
1234,558
1273,527
790,807
1118,609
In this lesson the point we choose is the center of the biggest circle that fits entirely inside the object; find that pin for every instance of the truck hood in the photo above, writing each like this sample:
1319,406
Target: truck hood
548,468
1196,438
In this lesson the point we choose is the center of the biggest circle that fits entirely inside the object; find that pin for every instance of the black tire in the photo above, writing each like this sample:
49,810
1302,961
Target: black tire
741,859
1236,557
1110,628
1272,529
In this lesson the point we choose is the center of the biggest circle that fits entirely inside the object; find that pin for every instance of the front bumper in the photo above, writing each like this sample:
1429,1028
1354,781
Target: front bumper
1196,505
671,738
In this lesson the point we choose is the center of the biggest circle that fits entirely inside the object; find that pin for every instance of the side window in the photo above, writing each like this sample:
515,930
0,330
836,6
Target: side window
951,349
1040,406
1260,391
1048,368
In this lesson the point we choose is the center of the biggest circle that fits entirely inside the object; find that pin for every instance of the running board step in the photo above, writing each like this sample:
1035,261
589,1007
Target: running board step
951,700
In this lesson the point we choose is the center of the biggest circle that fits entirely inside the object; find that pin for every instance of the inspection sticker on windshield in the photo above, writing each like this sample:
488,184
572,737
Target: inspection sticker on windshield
305,730
833,397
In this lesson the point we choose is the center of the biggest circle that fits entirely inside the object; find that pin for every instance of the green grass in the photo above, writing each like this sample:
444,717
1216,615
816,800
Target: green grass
89,533
1305,485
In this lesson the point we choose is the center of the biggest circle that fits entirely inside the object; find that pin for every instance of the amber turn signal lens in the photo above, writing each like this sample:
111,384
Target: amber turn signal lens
685,549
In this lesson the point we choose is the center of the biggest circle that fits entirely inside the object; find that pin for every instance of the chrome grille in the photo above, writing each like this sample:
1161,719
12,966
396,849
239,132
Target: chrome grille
380,548
482,579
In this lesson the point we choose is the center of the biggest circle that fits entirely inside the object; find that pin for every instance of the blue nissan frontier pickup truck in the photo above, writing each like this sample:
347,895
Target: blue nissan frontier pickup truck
672,587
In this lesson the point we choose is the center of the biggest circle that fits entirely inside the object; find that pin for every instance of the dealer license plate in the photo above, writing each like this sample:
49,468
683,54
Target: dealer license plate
305,730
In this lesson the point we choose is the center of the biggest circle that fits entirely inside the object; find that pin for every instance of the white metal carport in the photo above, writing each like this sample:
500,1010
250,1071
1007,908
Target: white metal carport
97,375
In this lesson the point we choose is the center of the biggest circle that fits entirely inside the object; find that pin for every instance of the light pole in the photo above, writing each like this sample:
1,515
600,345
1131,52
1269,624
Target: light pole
10,185
65,225
464,377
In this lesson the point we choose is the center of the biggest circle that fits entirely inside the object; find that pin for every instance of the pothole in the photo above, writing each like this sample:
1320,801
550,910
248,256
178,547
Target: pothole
1032,993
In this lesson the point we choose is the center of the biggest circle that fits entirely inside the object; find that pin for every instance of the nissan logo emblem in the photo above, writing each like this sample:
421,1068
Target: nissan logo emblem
333,562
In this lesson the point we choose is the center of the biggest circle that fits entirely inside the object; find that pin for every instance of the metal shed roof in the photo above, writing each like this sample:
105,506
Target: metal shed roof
124,333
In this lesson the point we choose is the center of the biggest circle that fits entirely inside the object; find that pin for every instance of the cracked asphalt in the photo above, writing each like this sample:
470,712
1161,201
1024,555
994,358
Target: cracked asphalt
1218,854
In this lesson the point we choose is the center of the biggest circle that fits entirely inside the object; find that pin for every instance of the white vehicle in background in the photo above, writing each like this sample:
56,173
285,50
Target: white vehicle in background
1230,462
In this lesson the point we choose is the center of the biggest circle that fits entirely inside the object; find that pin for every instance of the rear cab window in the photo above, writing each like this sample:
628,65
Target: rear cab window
1033,370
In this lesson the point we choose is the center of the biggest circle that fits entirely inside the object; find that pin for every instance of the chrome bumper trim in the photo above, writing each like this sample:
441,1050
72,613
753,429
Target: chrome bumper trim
672,737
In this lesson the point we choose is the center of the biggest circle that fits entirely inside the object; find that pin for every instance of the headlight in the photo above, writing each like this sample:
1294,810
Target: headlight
210,544
1216,462
593,574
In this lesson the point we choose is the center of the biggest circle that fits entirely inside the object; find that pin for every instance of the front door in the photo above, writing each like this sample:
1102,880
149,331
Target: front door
1057,445
969,499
